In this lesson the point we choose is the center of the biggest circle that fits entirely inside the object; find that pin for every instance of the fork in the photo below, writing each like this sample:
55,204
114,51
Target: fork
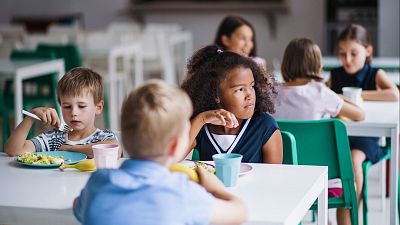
63,126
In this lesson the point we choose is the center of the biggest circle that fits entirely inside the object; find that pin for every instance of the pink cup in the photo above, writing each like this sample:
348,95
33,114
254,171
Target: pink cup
105,155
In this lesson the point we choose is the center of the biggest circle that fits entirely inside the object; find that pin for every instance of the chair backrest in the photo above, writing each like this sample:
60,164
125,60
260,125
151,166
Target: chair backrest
324,143
289,148
70,54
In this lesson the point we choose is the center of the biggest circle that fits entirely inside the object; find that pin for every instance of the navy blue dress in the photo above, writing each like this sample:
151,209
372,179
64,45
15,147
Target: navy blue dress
258,131
365,79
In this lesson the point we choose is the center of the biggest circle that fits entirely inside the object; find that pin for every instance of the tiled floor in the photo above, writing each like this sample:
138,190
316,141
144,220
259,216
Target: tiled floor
376,215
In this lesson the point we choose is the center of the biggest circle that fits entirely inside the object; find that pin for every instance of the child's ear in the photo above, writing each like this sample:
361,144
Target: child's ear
370,50
225,40
173,147
99,107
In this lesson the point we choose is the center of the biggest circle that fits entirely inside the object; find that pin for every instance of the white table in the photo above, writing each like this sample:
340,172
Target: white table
274,194
282,194
382,119
20,70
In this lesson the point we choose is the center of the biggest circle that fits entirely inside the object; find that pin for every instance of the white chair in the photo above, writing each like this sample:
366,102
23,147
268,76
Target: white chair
73,33
12,32
117,28
121,79
33,40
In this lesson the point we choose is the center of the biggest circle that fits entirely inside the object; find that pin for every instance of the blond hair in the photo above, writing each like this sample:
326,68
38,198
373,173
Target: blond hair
79,80
153,115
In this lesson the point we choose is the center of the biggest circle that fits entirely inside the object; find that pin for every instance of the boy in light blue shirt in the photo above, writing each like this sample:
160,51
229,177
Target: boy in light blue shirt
155,132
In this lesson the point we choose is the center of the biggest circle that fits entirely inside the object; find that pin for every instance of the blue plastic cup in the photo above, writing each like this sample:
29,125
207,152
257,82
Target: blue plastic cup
227,166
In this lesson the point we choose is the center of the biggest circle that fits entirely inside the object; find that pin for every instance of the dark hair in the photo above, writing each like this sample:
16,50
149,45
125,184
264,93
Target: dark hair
78,80
210,65
228,26
302,58
358,33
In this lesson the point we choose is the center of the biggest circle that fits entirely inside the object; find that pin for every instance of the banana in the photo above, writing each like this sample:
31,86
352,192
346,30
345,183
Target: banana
87,165
191,173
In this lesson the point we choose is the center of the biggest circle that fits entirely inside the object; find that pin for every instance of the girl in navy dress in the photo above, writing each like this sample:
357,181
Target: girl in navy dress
232,98
355,51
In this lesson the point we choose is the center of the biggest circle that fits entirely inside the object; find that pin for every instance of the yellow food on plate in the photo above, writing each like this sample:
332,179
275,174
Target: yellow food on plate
190,172
38,159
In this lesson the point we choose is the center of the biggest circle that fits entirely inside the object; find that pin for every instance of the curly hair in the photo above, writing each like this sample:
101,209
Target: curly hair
209,66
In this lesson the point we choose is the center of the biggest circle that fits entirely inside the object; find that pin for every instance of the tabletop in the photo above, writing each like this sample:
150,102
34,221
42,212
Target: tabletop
273,193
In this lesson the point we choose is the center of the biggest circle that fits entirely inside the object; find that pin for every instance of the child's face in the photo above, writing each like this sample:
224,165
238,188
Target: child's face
237,93
240,41
79,112
353,55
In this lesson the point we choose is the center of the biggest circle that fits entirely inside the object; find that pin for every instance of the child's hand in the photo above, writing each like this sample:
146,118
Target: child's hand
209,181
47,115
220,117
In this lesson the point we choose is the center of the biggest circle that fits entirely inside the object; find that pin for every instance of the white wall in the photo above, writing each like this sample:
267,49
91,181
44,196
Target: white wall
388,28
302,20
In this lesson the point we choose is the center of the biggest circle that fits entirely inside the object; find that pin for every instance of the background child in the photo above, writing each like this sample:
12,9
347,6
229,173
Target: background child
355,52
303,96
155,132
230,112
238,35
80,94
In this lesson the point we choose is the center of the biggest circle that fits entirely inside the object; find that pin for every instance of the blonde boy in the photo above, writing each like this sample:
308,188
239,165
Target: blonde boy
155,133
80,94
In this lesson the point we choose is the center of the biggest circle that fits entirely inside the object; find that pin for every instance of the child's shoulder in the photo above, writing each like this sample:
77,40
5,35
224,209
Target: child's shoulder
263,118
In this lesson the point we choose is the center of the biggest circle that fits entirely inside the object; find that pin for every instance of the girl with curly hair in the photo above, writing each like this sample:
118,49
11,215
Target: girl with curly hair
232,98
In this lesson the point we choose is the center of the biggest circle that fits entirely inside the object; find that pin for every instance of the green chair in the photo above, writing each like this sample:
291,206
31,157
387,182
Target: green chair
70,54
325,143
289,148
365,166
196,155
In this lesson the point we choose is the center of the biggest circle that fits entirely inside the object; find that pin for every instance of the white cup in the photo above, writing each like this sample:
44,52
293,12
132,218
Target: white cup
353,94
105,155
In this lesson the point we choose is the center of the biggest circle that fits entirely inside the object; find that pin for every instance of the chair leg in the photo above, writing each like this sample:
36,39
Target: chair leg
365,167
354,216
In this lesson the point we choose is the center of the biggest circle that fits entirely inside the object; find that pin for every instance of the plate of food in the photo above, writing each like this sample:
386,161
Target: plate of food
50,159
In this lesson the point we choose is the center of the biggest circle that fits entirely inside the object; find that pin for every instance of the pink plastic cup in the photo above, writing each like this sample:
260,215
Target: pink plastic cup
105,155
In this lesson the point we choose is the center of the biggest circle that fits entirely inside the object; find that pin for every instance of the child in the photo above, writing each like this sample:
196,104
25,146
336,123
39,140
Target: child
80,93
230,112
238,35
355,52
155,132
303,96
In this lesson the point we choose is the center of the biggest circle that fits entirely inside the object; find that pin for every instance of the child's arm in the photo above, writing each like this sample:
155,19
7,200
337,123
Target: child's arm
228,209
87,149
351,110
216,117
387,90
273,149
17,143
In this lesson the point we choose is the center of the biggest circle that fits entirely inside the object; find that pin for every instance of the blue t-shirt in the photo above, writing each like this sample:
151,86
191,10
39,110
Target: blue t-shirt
142,192
251,139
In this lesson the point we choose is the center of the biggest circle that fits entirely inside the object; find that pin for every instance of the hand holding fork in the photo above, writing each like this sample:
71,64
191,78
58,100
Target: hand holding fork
50,117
